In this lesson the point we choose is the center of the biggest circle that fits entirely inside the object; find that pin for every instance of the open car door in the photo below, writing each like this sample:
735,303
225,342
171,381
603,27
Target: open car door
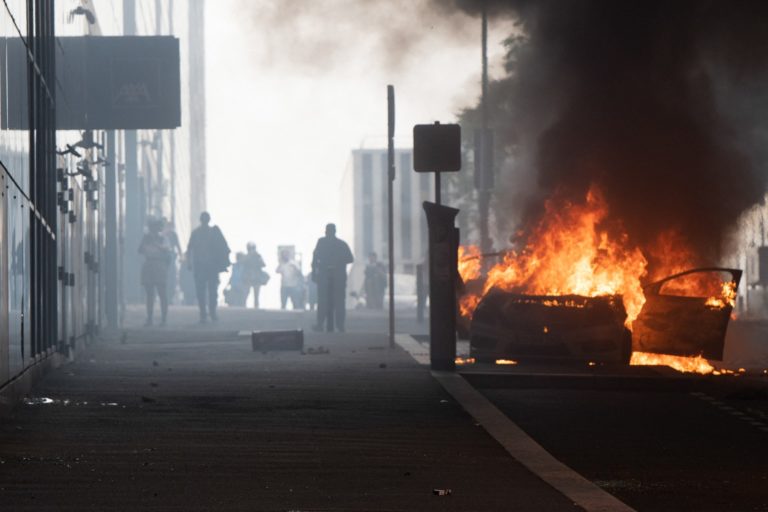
687,314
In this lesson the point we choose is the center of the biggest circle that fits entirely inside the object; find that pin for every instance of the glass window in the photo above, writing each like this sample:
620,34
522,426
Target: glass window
367,200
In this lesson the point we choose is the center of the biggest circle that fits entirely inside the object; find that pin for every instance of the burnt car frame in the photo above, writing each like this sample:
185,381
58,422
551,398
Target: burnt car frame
683,325
576,328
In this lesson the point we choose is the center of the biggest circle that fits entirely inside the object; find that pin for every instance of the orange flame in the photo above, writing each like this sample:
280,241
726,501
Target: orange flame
470,262
575,249
682,364
727,296
467,304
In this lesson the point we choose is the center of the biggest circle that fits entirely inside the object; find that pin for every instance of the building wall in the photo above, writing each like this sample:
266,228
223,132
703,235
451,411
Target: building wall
28,219
364,190
60,216
162,172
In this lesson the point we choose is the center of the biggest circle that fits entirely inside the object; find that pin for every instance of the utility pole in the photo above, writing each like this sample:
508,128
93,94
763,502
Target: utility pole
111,258
486,154
134,193
391,207
197,153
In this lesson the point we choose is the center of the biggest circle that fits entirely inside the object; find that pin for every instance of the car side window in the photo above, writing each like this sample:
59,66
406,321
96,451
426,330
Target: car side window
696,284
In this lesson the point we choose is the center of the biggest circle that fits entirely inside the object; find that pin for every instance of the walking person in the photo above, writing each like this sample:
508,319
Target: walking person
207,256
154,271
237,292
254,273
291,282
172,239
311,287
329,269
375,283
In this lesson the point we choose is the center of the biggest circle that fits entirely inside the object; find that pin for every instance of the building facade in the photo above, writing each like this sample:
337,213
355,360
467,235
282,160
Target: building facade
75,203
364,190
28,217
161,173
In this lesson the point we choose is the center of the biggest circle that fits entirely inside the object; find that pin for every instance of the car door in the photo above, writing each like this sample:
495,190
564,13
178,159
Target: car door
687,314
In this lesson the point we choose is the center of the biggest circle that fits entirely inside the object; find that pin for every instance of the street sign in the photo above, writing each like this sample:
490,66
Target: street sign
437,147
103,83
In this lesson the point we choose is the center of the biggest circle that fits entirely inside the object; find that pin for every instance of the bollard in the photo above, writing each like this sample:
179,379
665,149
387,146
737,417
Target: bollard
443,255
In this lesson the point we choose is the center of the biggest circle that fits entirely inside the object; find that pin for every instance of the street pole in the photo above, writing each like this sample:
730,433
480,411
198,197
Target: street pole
484,193
111,207
390,208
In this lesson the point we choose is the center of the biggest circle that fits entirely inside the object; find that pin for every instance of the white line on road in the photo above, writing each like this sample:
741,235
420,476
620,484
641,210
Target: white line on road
413,347
517,443
732,412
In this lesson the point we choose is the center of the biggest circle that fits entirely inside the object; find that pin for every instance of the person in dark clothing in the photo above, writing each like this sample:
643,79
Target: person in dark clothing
207,256
375,283
254,275
237,292
329,269
154,271
172,239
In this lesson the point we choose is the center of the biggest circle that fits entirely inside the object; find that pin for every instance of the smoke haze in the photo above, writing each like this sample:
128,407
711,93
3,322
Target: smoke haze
656,102
318,35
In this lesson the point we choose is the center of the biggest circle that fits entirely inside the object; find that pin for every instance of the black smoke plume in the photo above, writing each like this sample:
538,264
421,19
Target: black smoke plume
660,103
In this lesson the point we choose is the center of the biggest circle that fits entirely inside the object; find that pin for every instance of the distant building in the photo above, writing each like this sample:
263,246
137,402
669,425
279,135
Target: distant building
364,192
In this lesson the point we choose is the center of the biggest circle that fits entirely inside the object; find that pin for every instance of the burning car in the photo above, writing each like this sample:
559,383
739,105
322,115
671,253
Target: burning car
685,314
556,327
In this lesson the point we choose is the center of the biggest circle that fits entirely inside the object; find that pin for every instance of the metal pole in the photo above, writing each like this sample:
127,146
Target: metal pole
484,194
196,108
390,208
134,213
110,219
437,187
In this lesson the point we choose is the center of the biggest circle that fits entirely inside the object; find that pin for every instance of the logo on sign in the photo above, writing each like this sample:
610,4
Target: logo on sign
132,94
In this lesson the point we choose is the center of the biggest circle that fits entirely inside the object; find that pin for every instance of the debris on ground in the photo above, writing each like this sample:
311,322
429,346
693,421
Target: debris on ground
43,400
442,492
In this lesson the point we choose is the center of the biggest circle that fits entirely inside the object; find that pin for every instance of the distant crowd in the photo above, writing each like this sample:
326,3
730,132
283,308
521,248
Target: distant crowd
196,272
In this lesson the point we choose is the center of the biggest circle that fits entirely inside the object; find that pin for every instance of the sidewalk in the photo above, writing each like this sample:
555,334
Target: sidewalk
195,420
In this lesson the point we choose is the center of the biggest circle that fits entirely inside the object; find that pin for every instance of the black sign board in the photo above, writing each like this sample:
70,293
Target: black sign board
436,148
108,83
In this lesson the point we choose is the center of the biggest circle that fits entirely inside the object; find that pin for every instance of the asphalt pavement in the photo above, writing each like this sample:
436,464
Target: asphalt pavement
191,418
656,441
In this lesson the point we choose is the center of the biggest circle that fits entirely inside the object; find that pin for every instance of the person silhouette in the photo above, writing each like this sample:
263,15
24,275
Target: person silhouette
207,256
329,270
154,271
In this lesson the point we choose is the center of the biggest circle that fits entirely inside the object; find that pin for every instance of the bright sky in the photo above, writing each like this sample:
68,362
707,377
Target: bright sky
287,103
